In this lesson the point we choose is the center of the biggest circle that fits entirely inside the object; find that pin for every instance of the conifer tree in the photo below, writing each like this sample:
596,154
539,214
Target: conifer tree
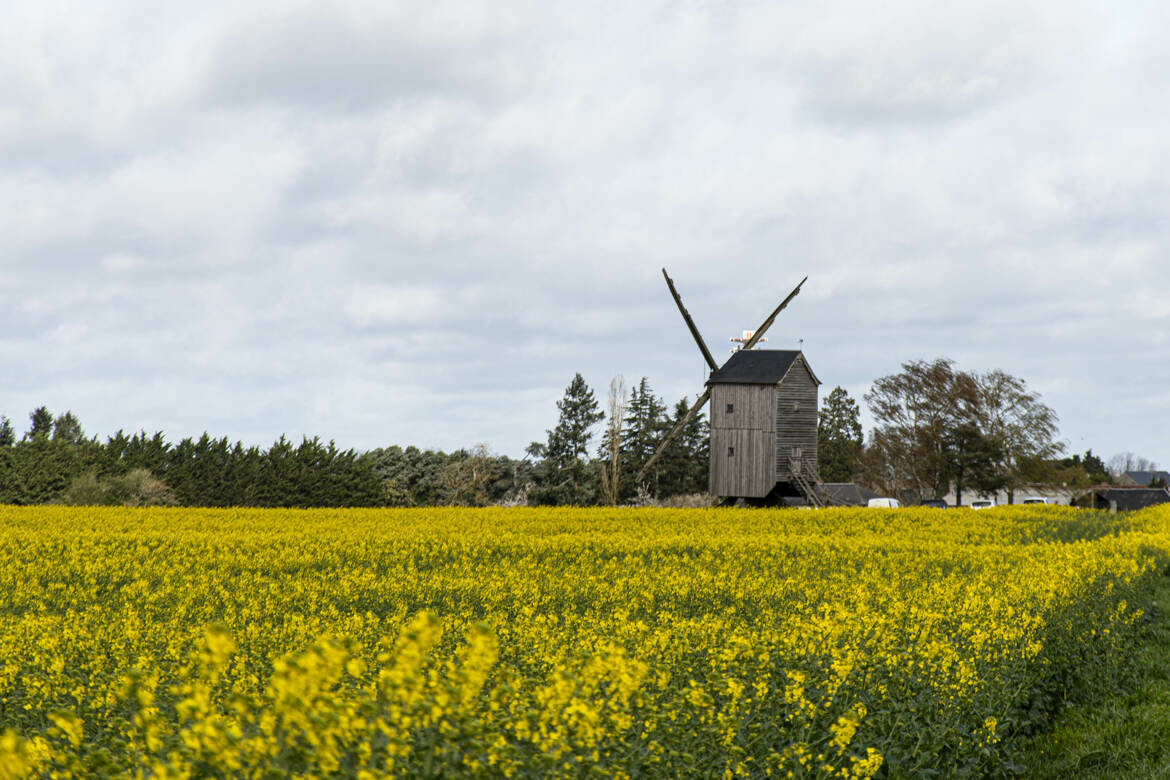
685,461
839,437
67,429
41,424
645,425
566,455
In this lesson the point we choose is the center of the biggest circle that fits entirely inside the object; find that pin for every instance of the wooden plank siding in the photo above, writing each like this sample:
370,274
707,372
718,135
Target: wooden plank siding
753,407
743,448
796,420
741,462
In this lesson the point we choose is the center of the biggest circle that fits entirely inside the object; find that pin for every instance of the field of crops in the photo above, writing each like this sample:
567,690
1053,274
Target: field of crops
546,642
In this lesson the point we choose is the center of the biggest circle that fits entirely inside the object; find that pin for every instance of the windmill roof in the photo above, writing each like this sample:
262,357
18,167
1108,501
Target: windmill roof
757,367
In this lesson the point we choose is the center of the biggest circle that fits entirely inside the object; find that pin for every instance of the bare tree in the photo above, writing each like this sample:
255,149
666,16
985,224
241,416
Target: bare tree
467,475
611,442
1127,461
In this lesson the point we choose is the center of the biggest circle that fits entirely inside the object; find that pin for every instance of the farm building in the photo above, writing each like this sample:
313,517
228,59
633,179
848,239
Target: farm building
763,424
845,494
1123,499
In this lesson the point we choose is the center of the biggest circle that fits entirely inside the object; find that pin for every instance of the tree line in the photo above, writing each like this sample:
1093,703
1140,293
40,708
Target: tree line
55,462
567,470
936,428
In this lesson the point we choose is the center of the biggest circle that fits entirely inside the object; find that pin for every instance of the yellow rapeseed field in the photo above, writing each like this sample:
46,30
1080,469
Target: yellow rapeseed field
553,642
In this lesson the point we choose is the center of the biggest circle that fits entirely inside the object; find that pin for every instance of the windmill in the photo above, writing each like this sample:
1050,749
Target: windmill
763,417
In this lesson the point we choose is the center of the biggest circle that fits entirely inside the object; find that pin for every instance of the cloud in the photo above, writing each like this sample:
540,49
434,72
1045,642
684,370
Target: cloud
280,218
383,304
912,61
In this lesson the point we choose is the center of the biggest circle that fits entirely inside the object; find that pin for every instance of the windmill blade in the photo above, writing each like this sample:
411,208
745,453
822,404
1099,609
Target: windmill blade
670,436
690,323
771,317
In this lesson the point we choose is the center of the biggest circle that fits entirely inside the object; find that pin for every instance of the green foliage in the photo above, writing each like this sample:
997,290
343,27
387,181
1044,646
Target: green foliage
55,462
644,428
1124,735
974,461
37,470
7,434
413,477
67,429
1094,468
922,414
682,469
839,438
566,476
137,487
41,424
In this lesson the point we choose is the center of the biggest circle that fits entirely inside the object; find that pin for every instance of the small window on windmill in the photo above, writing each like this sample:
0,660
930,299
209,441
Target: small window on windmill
730,408
730,452
796,406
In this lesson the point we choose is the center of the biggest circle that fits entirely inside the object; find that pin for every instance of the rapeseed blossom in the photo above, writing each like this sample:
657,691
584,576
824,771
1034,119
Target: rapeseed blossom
549,642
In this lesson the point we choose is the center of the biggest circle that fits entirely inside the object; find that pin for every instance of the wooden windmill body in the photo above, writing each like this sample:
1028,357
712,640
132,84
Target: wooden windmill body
763,418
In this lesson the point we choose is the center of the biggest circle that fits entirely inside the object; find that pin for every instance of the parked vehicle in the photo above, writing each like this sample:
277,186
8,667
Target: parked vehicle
884,503
1037,500
936,503
983,503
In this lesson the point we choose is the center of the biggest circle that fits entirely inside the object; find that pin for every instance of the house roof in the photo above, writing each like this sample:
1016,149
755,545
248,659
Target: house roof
758,367
845,493
1144,478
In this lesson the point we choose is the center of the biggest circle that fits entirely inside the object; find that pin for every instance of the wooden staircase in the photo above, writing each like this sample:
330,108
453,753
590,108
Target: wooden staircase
805,483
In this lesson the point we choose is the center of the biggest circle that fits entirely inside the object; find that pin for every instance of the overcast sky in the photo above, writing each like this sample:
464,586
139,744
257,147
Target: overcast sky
412,223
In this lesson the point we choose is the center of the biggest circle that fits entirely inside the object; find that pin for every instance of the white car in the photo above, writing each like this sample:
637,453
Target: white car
983,503
884,503
1037,500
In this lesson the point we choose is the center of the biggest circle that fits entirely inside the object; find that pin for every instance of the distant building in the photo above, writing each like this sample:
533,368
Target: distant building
1053,494
1122,499
1143,478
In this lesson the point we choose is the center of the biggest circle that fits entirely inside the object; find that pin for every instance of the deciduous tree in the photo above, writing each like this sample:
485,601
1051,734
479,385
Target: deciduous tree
1023,426
915,410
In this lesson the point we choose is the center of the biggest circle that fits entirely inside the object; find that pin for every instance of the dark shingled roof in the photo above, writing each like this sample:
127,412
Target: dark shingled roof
1131,499
845,493
1144,478
756,367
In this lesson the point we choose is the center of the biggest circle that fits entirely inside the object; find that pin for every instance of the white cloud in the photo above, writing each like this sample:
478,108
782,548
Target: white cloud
386,304
366,201
122,262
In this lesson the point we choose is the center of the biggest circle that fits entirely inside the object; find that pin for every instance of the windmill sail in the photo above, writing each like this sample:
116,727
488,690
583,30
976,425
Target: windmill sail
690,323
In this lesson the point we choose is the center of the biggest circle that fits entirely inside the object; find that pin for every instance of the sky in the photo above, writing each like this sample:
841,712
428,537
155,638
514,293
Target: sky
413,223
